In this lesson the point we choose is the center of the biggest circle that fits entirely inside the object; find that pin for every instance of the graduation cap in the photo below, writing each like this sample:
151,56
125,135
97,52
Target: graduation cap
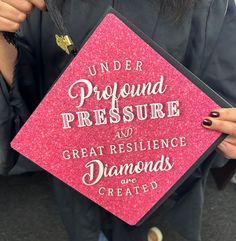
122,124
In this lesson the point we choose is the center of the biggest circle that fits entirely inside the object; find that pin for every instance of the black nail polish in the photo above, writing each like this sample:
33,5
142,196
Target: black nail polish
214,114
207,122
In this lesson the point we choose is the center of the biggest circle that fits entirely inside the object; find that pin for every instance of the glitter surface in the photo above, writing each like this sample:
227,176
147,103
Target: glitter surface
125,167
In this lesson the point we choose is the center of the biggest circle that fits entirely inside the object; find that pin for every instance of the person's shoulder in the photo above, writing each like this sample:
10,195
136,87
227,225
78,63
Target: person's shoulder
214,6
212,14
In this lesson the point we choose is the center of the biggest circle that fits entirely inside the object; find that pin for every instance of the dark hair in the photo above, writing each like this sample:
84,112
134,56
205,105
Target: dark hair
176,9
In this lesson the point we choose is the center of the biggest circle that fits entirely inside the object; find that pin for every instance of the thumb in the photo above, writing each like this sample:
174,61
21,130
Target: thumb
40,4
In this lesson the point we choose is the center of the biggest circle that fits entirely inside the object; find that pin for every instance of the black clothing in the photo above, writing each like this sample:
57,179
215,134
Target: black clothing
204,41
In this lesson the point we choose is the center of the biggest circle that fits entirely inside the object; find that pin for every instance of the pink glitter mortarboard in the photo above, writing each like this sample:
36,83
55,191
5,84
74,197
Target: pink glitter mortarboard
128,167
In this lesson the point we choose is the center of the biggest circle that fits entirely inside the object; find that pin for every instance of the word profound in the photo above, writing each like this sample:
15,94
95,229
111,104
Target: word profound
84,89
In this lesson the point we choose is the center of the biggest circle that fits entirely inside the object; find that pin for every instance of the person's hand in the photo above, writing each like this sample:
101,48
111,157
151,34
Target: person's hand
14,12
224,120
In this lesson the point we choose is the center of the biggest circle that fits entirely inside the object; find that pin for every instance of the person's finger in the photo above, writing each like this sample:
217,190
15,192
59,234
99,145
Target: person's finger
228,149
228,114
230,139
22,5
227,127
39,4
11,13
8,25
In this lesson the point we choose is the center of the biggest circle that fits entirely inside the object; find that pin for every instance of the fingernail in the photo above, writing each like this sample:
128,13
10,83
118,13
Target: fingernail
214,114
207,122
